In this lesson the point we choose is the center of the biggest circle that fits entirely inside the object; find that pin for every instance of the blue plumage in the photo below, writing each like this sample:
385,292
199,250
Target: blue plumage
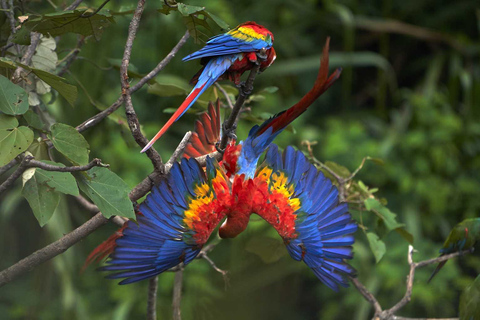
160,240
324,227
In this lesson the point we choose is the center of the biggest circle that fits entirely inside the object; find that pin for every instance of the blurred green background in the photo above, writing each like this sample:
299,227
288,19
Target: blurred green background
409,94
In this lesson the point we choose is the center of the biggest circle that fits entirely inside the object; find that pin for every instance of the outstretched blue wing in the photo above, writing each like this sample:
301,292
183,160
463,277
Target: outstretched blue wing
321,229
170,227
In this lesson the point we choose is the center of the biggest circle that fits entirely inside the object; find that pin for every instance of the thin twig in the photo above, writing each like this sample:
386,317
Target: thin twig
177,294
120,221
74,5
89,15
178,151
112,108
72,56
16,174
8,166
367,295
48,167
27,57
224,273
81,232
225,93
389,314
152,299
132,118
10,15
52,250
245,91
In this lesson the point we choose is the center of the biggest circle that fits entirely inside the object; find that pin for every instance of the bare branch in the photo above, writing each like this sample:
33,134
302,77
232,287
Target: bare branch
16,174
442,258
71,57
245,92
162,64
74,5
27,57
10,15
225,93
181,147
177,294
367,295
224,273
52,250
48,167
105,113
152,299
132,118
8,166
120,221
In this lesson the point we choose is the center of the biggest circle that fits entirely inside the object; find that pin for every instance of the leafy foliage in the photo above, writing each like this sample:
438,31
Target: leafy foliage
108,191
70,143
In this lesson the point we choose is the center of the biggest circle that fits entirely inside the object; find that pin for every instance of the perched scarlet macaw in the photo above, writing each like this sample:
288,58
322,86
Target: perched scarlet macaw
181,212
226,56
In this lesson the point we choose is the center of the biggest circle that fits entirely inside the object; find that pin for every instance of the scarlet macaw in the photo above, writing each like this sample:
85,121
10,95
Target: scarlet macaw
182,211
226,56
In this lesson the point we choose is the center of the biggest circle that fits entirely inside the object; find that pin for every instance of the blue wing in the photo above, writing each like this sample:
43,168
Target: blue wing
323,227
163,238
225,44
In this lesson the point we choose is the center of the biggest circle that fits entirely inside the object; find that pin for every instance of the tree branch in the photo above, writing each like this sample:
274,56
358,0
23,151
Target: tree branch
16,174
367,295
389,314
72,56
105,113
48,167
74,5
132,118
225,93
152,299
177,294
52,250
8,166
27,57
245,91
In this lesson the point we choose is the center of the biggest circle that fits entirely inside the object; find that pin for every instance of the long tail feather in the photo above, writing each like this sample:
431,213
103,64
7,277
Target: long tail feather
212,71
437,269
322,83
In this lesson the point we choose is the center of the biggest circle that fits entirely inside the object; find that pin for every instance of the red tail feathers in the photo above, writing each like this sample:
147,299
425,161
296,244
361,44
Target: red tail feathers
207,133
104,249
322,83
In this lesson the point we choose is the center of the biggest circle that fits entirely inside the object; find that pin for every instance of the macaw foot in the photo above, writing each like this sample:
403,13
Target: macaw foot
230,132
261,56
243,89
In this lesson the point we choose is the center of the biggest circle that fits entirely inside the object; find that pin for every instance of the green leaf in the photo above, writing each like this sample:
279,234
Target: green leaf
388,217
33,120
164,9
268,249
68,91
108,191
42,199
338,169
13,99
222,24
168,86
8,122
22,37
39,149
469,306
70,143
63,182
376,245
405,234
269,89
13,142
187,10
59,23
193,23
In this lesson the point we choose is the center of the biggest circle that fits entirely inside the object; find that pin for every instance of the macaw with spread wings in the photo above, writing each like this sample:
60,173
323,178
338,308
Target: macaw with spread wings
179,215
